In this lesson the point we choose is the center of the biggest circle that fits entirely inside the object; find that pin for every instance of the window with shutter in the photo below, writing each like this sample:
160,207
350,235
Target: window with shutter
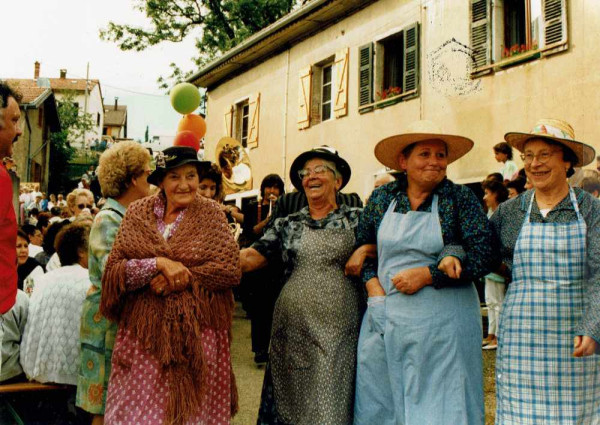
341,86
481,31
253,115
365,75
520,30
411,59
555,22
304,94
389,69
229,121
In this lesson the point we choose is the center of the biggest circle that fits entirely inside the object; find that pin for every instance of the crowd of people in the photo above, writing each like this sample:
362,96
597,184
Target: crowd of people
362,315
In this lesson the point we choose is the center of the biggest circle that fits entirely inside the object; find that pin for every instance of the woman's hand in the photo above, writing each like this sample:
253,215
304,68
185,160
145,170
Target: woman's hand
410,281
251,259
584,346
175,272
451,267
374,288
358,257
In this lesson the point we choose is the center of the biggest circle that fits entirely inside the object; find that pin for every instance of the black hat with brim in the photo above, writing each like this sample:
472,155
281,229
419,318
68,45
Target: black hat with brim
173,157
324,152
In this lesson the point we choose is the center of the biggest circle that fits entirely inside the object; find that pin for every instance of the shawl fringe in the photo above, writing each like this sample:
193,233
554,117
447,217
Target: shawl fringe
170,327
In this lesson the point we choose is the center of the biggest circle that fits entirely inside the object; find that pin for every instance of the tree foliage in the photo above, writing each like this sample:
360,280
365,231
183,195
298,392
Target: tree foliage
73,128
222,24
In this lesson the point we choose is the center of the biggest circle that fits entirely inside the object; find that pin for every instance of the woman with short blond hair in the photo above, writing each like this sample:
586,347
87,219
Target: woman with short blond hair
122,173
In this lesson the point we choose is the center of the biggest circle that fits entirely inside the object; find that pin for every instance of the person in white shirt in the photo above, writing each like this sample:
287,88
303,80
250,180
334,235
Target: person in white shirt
503,154
50,348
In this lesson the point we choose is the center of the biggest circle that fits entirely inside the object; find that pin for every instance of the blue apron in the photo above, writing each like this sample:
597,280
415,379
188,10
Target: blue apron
538,381
419,356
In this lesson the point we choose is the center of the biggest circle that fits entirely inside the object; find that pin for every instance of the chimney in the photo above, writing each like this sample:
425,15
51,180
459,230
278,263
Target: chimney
116,103
36,70
63,74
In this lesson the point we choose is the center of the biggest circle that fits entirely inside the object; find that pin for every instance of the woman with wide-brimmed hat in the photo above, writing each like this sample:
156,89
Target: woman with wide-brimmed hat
550,321
419,352
312,360
167,283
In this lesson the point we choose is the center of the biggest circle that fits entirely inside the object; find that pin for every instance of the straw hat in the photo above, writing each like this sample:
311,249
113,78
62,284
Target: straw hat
557,130
388,150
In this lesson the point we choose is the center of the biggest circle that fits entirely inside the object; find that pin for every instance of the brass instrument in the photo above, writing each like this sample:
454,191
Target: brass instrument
234,164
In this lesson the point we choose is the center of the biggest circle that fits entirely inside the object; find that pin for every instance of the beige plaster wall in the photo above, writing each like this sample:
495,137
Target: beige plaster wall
28,146
564,85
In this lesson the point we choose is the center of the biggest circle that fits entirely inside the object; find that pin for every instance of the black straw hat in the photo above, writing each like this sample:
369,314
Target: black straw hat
325,152
173,157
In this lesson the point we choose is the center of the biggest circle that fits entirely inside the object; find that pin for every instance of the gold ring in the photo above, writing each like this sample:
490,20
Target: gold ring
177,281
159,290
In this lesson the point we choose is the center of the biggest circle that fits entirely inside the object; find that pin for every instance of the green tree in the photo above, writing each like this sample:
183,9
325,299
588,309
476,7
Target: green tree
222,24
73,128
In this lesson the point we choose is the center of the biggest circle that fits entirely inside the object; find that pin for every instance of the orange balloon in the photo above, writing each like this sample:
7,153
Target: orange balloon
193,123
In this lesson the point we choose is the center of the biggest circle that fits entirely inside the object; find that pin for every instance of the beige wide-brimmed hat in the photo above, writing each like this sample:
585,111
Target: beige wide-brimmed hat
388,150
557,130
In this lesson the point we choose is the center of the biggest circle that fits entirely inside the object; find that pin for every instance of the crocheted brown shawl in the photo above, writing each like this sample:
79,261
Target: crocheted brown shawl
170,327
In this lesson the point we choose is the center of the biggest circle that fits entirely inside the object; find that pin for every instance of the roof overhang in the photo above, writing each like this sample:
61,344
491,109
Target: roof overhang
276,38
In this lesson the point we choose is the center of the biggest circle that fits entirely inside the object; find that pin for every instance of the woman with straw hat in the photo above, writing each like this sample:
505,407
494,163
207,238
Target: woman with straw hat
419,355
550,322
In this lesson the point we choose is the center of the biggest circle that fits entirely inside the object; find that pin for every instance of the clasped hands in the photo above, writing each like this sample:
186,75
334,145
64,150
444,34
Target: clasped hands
173,276
410,281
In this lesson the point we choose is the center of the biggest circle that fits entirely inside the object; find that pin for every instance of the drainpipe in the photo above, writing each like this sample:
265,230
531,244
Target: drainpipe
285,116
28,168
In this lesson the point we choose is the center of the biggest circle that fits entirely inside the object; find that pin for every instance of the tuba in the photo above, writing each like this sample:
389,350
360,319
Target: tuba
234,164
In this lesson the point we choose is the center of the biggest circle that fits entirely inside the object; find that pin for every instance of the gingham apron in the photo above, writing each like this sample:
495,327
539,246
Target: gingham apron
538,381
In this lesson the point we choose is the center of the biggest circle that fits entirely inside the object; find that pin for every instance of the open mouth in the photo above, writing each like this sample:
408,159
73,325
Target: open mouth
539,173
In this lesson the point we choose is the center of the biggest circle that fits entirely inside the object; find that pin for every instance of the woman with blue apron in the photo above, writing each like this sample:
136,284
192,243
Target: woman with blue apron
419,350
546,372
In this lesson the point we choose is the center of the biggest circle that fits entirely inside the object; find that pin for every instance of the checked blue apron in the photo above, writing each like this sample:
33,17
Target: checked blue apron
419,356
537,378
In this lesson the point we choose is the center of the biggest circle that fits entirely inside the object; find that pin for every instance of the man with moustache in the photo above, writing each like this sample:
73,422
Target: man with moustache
10,130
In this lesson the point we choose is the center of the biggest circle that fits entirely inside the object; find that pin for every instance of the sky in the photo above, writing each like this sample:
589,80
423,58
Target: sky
65,34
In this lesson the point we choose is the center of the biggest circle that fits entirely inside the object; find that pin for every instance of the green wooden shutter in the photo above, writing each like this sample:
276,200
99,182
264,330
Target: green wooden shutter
411,58
555,22
365,73
481,32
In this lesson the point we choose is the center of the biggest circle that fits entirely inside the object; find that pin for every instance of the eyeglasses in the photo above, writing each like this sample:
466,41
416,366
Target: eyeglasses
82,206
319,170
541,157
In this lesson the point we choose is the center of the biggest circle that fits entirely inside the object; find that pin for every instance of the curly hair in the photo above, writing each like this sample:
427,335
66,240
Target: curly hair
71,241
214,174
118,165
72,198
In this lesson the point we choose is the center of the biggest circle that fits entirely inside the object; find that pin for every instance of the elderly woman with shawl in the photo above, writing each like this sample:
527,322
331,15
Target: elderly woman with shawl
167,283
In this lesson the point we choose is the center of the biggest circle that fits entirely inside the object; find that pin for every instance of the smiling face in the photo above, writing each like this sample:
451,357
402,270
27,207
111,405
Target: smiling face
550,174
22,250
180,185
323,184
207,188
426,164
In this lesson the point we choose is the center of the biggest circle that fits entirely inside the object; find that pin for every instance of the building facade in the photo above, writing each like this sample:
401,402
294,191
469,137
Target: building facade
350,73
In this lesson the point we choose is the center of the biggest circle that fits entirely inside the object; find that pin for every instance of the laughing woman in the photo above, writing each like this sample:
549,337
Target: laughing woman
167,284
546,370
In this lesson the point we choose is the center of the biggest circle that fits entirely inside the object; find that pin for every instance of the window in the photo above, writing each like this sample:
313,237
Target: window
323,90
326,91
389,69
508,31
97,118
241,121
241,127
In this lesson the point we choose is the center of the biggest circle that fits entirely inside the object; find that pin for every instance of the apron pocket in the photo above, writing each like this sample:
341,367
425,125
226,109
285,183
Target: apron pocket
376,314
